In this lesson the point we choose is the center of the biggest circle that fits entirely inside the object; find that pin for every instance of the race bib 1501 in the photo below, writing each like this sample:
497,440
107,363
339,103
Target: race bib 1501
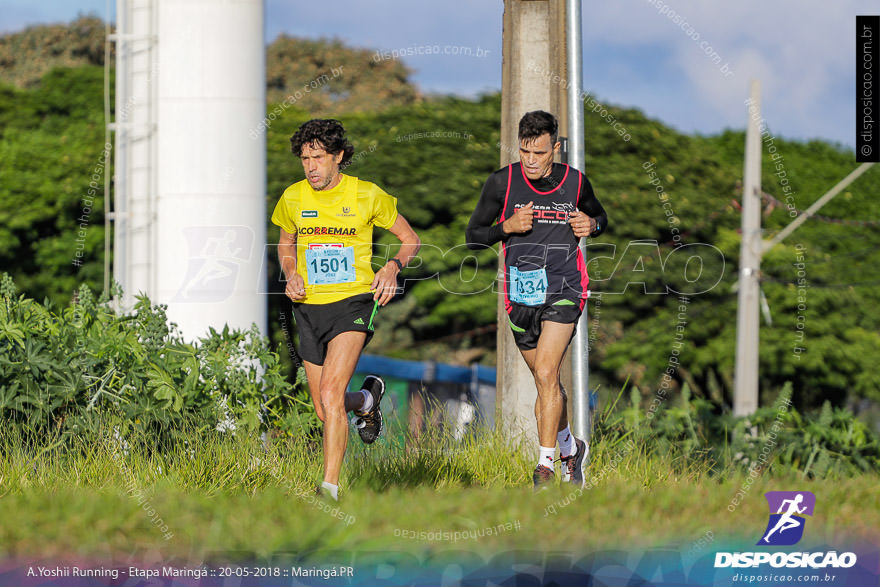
330,265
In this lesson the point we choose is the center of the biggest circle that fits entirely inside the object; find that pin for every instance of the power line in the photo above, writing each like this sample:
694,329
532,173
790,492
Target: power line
727,207
820,217
812,285
831,258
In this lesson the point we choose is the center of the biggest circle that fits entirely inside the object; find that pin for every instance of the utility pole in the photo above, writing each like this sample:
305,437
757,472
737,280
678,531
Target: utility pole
580,347
745,399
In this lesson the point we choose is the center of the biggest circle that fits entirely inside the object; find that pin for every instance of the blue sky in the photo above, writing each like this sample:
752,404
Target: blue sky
635,55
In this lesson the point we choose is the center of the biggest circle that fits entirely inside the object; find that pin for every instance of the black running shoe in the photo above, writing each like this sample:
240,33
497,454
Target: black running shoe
573,465
369,424
542,477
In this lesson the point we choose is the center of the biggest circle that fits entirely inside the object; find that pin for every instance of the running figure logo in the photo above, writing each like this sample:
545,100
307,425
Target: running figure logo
215,253
786,525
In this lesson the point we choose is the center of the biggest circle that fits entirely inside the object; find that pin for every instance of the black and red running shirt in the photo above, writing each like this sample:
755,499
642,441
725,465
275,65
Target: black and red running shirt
550,244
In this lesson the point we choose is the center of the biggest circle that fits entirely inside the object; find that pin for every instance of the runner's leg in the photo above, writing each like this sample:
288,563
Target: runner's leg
343,352
529,357
313,375
353,399
550,409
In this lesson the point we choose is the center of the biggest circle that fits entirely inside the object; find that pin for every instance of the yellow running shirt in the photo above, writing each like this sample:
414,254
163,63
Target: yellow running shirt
334,231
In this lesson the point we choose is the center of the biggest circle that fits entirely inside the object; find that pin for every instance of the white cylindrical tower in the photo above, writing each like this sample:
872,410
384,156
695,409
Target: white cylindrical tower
134,214
211,214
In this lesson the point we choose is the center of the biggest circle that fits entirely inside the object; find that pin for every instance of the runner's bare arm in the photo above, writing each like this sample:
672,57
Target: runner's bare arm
295,289
385,282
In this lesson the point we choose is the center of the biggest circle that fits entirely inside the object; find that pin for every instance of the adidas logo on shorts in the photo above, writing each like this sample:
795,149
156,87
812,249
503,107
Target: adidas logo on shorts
359,321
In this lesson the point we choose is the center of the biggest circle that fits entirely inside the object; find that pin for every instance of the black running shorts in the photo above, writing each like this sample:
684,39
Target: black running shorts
318,324
525,321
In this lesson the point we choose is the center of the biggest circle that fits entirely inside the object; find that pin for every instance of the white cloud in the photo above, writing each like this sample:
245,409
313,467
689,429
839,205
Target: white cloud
801,51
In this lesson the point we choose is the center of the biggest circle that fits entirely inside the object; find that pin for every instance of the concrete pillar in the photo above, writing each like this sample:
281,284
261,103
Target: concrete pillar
533,73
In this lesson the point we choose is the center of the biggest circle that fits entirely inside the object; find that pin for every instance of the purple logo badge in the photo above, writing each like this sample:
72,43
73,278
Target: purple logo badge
787,511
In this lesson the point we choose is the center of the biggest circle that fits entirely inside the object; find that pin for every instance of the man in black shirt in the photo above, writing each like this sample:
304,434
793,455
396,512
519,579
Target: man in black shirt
543,209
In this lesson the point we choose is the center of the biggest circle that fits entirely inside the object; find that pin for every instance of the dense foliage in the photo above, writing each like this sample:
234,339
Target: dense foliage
27,56
777,439
76,369
319,76
327,77
435,155
51,145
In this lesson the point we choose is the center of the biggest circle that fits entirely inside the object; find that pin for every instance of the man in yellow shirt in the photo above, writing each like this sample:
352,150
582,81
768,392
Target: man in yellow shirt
325,252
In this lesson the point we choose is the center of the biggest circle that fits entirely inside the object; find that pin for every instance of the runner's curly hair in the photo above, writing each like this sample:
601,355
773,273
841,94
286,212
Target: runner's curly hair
533,124
324,133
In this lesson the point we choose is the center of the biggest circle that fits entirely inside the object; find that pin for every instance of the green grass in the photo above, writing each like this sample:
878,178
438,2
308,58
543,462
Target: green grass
232,498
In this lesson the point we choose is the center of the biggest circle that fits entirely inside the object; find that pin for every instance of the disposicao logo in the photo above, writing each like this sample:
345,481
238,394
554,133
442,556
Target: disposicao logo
785,527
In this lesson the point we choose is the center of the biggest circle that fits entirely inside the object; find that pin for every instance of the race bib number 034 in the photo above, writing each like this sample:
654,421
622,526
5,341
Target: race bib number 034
330,265
528,287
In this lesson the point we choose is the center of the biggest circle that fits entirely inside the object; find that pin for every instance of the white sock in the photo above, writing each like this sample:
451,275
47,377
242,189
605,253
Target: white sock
368,402
333,489
567,446
546,456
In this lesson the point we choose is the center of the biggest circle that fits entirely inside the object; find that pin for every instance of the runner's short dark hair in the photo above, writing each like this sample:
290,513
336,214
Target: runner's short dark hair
537,122
325,133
